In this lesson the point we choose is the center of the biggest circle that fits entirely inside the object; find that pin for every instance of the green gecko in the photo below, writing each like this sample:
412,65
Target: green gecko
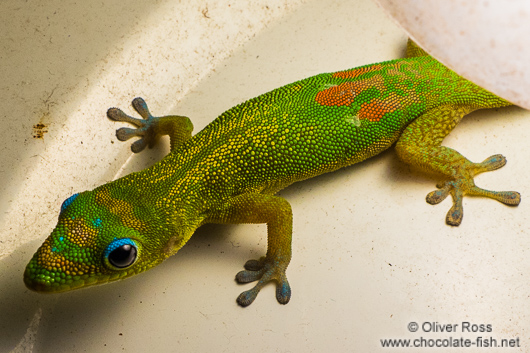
229,172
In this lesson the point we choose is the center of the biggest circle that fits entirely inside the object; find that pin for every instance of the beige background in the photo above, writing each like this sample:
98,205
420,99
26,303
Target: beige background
369,255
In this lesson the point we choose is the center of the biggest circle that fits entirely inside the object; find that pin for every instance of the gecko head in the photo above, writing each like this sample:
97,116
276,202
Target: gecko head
97,239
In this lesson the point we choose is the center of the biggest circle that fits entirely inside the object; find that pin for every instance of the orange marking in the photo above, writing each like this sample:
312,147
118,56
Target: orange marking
345,93
357,72
377,108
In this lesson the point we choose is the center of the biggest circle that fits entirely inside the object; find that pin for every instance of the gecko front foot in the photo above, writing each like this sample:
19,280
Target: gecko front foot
146,127
263,271
464,185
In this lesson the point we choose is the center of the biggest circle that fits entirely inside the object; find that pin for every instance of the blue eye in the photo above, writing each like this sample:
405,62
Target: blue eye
68,201
121,253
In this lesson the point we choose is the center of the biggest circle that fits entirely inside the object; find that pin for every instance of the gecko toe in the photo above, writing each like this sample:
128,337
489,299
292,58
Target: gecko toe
491,163
139,146
437,196
510,198
455,215
283,292
125,133
140,106
246,298
248,276
117,114
254,265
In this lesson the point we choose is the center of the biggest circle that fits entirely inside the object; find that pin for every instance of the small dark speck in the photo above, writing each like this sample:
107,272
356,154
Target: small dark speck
39,130
121,334
389,264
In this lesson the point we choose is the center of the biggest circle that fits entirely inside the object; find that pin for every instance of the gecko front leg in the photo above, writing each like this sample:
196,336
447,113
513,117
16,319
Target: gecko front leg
276,212
150,128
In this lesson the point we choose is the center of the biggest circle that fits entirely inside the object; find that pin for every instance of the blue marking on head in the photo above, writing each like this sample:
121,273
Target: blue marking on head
68,202
97,222
59,245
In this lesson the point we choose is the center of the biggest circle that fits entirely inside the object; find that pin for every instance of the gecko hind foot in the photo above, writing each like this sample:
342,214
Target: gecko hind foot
466,186
146,128
263,271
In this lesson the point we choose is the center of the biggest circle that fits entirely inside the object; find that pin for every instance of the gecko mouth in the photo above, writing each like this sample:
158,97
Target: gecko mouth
38,285
43,283
39,279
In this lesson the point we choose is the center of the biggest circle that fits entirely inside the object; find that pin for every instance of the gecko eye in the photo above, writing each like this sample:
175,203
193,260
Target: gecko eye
123,256
121,253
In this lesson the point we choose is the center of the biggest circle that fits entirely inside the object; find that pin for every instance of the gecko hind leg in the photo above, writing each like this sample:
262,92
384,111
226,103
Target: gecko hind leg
150,128
457,189
420,145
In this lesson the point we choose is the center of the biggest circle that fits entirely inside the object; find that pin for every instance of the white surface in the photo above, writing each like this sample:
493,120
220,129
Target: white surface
485,41
369,255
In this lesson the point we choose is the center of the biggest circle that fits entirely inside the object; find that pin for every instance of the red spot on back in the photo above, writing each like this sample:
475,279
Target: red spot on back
375,109
345,93
371,108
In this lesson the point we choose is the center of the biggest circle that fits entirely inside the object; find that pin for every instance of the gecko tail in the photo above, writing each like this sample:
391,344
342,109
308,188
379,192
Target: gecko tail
413,50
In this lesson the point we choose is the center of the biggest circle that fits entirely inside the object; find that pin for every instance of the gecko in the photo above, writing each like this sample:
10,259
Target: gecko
230,172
